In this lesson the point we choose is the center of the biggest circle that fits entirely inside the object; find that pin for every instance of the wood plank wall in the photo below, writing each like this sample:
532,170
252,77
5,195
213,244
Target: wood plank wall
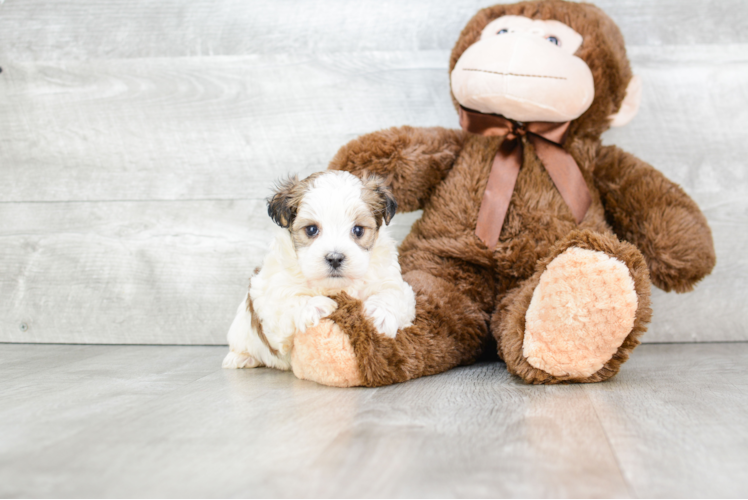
139,139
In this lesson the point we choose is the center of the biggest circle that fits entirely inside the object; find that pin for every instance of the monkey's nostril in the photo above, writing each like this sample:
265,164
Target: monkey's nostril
335,259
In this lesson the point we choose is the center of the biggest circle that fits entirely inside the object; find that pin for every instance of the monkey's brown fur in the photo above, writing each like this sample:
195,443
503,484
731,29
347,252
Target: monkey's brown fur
467,293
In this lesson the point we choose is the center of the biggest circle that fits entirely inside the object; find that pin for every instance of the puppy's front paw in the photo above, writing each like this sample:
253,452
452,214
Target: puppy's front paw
384,321
240,360
317,308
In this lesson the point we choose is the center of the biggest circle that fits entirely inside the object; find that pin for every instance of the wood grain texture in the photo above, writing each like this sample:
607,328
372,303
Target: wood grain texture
165,421
138,140
113,29
225,127
680,411
200,128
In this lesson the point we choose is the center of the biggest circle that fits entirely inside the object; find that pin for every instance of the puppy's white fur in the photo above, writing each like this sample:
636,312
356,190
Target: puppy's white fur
290,292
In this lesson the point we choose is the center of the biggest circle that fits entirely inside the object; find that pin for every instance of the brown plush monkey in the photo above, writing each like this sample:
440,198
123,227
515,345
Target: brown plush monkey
533,234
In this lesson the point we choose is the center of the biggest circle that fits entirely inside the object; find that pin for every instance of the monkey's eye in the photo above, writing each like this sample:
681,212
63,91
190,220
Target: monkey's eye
311,231
554,40
502,31
357,231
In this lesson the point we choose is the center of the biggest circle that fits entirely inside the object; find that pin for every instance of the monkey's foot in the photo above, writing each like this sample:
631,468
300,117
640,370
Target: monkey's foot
324,355
581,312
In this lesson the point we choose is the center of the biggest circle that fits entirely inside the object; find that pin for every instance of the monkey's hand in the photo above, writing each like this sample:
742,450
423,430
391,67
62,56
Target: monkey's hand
656,215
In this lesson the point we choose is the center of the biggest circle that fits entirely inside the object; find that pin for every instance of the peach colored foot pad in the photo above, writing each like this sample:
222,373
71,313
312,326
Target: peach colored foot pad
324,355
580,313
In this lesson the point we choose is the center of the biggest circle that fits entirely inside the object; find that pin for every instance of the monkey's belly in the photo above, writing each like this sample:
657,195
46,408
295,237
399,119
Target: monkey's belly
537,217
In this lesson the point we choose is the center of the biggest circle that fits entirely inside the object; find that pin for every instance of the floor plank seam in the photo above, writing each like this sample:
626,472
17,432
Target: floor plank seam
629,486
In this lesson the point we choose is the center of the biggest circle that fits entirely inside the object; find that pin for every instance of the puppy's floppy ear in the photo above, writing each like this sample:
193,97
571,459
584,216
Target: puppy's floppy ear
390,204
283,204
379,197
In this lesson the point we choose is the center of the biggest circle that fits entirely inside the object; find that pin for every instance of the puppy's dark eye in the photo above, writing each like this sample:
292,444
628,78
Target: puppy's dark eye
502,31
554,40
311,231
358,231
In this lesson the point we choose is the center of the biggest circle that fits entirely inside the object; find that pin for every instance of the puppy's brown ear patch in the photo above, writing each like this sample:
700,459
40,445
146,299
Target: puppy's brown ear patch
282,206
390,205
379,198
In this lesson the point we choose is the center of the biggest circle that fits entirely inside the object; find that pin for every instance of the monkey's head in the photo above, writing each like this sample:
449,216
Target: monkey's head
548,60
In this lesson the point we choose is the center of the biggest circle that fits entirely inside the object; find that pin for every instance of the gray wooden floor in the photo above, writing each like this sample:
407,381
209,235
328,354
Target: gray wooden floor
138,421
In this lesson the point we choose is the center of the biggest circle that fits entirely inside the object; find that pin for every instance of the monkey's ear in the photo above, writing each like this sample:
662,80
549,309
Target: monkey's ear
630,104
380,198
282,206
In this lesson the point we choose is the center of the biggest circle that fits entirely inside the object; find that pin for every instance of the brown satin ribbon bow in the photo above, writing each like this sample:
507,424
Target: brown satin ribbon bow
547,138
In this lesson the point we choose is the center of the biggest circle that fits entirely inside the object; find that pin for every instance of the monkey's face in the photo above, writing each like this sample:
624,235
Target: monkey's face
525,70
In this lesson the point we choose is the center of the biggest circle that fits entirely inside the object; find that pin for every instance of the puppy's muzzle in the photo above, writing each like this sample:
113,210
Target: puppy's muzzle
335,260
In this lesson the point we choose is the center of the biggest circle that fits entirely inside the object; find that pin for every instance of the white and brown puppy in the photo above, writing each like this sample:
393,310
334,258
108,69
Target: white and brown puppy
332,240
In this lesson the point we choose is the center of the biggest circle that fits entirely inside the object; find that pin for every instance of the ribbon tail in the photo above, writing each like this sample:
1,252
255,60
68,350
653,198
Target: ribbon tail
565,174
498,193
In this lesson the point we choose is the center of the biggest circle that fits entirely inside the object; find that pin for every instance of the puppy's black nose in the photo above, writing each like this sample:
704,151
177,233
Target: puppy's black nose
335,259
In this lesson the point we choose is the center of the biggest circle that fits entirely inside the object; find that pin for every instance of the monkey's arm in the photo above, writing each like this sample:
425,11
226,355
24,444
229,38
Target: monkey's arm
413,161
657,216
